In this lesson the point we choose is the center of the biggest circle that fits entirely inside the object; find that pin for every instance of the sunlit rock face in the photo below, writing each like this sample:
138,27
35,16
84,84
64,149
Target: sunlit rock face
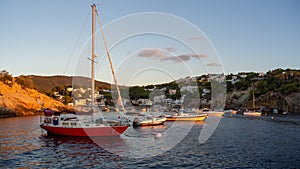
25,101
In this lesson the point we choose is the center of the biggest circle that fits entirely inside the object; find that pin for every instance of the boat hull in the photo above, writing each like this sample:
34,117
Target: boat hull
153,122
252,113
186,118
85,132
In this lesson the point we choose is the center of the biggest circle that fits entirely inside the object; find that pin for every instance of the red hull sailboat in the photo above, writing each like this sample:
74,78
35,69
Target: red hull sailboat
94,124
86,132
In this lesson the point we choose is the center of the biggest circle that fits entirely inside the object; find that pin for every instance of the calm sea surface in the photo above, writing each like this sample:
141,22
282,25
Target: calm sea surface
238,142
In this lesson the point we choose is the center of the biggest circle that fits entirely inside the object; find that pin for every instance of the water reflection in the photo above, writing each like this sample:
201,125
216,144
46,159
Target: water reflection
62,140
82,151
18,136
241,142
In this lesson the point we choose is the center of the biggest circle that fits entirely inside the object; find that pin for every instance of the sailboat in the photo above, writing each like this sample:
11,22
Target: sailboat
94,124
252,112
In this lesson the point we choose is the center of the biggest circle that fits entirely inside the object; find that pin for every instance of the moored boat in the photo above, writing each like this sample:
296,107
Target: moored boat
92,123
212,113
149,120
81,125
252,113
186,117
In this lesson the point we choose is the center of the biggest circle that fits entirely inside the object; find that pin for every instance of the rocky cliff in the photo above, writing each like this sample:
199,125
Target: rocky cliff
16,101
268,101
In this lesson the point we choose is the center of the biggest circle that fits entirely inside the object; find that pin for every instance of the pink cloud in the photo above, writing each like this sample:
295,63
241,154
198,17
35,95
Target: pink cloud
170,49
214,64
153,53
185,57
165,55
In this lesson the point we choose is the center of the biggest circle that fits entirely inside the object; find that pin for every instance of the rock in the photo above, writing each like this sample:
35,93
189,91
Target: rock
293,104
237,99
5,113
268,101
19,102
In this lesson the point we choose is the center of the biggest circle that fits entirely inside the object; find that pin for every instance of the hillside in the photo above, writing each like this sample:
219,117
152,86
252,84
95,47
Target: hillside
45,84
277,88
16,101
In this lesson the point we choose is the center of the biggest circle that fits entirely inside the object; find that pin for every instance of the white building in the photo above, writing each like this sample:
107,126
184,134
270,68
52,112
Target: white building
69,89
189,88
80,102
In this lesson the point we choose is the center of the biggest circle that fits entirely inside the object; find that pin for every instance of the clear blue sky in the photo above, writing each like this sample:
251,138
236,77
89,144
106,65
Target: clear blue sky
38,36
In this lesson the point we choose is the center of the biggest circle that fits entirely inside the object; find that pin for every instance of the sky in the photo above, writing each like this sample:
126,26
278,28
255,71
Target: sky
193,37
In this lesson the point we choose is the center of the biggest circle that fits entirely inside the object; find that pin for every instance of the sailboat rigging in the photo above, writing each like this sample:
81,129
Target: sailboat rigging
111,66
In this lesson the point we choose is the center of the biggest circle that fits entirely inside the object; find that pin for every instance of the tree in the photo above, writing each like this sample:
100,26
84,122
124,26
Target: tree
6,78
137,92
25,82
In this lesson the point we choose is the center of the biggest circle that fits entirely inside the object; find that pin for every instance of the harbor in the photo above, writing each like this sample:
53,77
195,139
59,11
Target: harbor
143,84
239,141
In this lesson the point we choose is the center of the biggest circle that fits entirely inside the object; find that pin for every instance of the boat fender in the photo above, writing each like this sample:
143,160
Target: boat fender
157,135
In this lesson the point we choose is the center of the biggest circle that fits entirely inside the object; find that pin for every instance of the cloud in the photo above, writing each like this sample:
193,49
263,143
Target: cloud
214,64
165,55
171,49
185,57
154,53
197,38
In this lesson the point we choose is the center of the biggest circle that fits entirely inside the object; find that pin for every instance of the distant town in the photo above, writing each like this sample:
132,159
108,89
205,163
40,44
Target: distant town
277,88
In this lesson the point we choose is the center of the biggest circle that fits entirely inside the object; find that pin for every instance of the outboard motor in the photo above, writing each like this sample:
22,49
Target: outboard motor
99,121
135,122
55,120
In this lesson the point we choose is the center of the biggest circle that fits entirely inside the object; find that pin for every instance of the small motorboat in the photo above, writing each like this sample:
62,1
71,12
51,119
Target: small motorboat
252,113
186,117
212,113
149,120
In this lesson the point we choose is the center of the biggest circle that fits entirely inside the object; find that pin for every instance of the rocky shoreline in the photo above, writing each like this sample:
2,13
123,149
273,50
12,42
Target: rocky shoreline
18,101
267,102
6,113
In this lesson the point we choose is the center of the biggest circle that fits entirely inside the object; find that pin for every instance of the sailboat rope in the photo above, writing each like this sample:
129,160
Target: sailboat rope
111,65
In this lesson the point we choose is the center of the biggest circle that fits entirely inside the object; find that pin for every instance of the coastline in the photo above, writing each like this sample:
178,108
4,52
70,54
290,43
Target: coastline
7,113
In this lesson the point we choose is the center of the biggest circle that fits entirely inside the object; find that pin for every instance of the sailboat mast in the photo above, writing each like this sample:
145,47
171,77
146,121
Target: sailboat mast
93,51
253,99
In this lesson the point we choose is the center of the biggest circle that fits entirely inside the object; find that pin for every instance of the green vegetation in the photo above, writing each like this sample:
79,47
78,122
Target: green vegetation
278,80
137,92
62,94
